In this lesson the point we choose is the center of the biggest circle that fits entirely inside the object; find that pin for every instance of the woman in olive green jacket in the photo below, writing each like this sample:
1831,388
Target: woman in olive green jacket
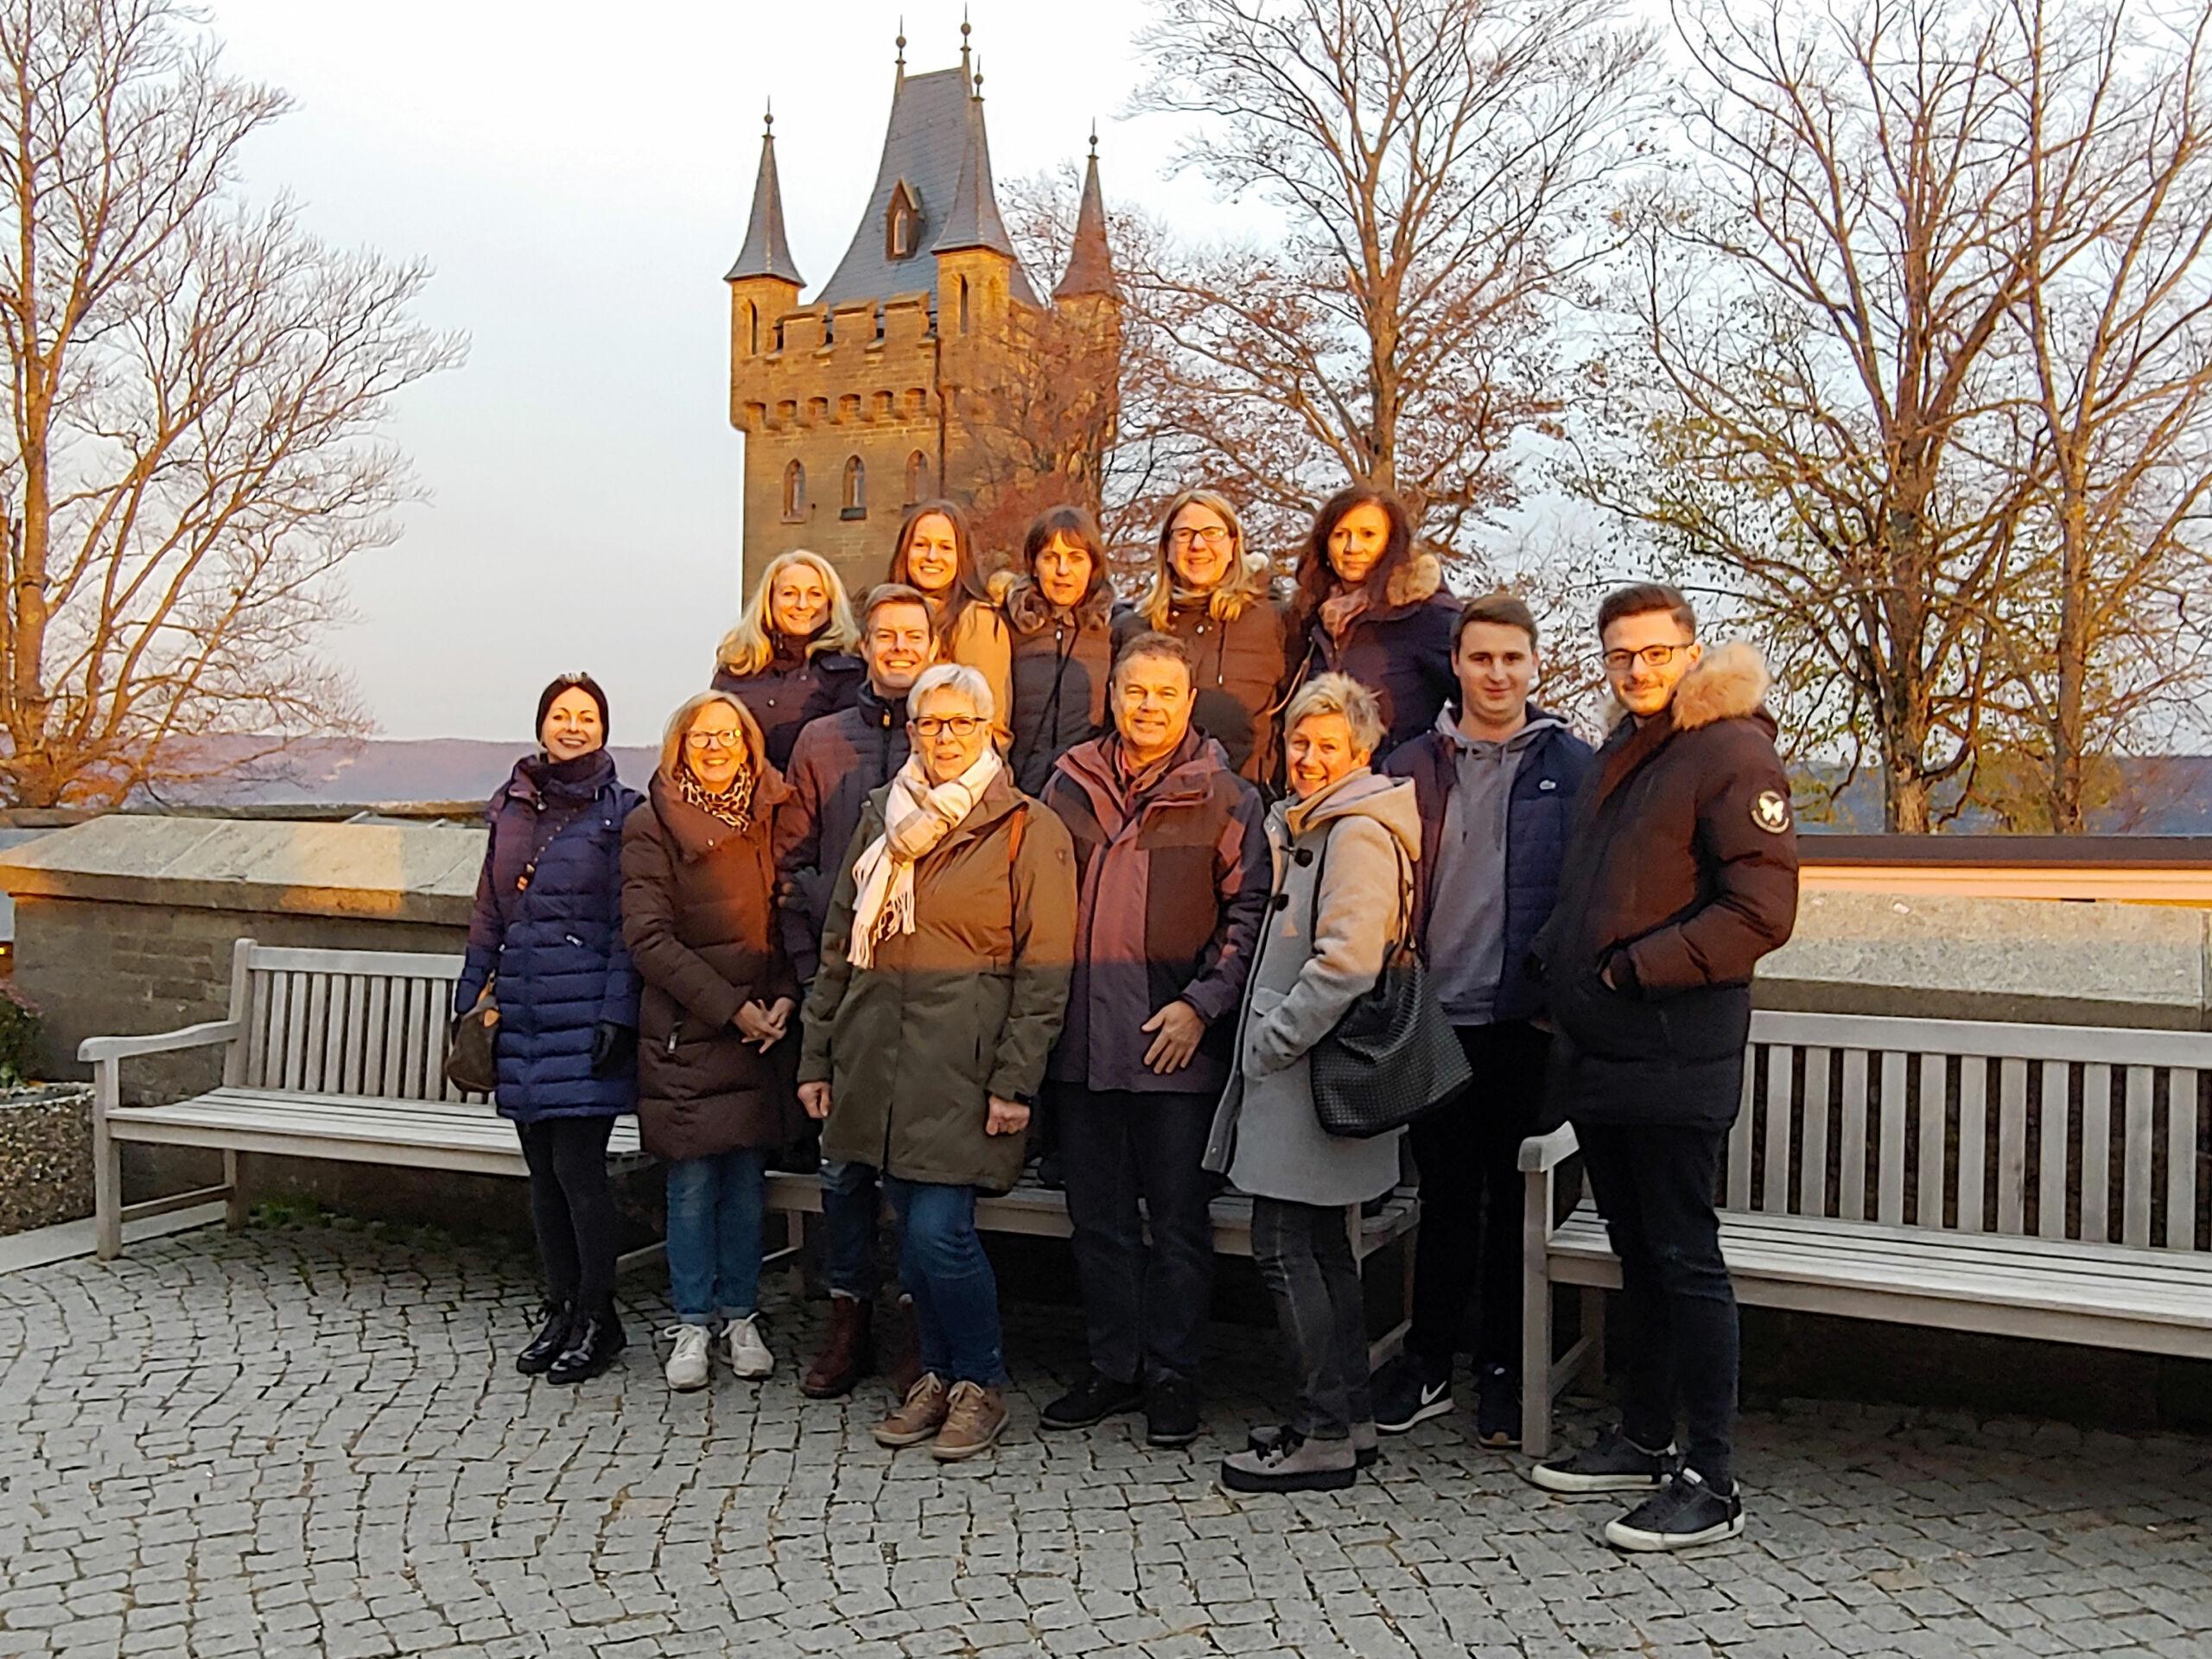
943,984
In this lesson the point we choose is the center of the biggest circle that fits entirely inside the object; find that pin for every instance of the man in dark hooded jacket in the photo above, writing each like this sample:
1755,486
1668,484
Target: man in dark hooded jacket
1680,873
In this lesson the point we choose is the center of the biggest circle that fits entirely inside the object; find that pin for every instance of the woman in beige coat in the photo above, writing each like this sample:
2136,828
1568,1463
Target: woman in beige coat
1344,845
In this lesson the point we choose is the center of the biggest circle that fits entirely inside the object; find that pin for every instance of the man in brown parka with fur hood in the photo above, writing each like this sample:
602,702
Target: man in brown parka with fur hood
1680,873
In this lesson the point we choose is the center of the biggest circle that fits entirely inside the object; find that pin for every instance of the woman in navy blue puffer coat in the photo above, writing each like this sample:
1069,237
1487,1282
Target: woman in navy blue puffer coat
546,936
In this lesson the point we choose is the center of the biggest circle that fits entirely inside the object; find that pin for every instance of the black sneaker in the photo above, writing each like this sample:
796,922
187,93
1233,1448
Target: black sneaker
1615,1464
1497,1407
1687,1513
1092,1400
1171,1411
1409,1391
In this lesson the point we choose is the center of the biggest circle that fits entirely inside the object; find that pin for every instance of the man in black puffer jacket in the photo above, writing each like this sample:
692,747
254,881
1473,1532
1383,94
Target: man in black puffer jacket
1680,874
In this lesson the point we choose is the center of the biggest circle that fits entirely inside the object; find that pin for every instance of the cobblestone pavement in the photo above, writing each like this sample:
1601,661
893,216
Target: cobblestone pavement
312,1440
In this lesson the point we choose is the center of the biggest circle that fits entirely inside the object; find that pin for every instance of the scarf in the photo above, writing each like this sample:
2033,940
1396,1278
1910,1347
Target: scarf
1341,609
916,817
733,806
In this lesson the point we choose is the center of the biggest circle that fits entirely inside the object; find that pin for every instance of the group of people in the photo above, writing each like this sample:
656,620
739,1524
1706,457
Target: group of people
987,852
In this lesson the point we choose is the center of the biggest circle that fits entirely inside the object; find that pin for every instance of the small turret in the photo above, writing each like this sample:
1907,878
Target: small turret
765,282
1090,260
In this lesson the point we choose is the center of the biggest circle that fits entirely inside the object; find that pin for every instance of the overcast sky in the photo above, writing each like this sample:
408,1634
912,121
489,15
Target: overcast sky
579,185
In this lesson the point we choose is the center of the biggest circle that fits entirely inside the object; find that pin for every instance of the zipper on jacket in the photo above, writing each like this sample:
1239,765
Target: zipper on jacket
672,1031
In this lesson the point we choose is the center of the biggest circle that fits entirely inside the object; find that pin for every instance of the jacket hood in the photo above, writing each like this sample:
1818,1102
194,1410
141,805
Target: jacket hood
1539,721
697,833
1416,581
537,774
1095,766
1389,801
1027,608
1729,683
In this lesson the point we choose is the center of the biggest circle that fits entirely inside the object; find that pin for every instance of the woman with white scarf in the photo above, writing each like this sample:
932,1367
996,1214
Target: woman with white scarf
943,983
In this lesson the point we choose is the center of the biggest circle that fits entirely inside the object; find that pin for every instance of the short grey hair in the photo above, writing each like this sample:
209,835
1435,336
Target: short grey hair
954,676
1338,694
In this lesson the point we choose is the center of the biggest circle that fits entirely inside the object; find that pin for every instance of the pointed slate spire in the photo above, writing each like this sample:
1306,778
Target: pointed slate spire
973,220
1090,260
767,252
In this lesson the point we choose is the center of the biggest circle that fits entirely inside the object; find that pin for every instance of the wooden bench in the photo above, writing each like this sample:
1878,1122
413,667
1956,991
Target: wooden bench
2045,1181
335,1054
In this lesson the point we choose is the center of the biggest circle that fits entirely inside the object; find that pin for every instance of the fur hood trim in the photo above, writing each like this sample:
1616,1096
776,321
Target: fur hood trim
1730,681
1026,608
1417,580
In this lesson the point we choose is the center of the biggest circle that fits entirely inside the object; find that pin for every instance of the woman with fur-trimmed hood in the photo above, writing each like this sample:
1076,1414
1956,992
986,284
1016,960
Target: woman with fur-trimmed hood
1209,592
1371,605
1060,614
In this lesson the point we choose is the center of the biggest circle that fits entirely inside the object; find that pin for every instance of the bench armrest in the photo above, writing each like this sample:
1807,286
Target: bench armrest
1542,1152
210,1035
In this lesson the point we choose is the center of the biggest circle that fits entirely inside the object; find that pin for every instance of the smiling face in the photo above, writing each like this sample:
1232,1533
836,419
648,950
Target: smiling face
1201,550
1643,686
932,555
1152,706
1063,569
947,734
714,746
900,646
798,602
1323,750
1359,538
1495,664
572,726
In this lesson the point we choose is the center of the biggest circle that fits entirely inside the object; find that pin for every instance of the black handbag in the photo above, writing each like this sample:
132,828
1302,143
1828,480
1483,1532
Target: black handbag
472,1053
1393,1055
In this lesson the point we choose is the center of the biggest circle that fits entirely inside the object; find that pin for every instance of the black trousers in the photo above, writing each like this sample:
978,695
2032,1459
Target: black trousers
572,1207
1655,1185
1304,1255
1144,1310
1467,1153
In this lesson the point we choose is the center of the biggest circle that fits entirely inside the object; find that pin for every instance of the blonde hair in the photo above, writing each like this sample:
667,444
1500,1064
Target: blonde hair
1238,589
751,645
1337,694
679,724
954,676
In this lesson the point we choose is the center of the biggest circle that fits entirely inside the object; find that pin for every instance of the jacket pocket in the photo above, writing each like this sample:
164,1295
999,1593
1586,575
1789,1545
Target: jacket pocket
1607,1023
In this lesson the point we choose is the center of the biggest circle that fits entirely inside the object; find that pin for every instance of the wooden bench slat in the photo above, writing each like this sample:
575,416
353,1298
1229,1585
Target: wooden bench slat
1974,1146
2181,1160
1813,1158
1911,1244
2096,1153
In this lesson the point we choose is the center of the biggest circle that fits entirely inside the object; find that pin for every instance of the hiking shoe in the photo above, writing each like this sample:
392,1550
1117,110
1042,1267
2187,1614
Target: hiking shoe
975,1416
1366,1449
1291,1463
1497,1407
1171,1411
1687,1513
1097,1397
919,1416
1614,1463
748,1354
686,1367
1409,1391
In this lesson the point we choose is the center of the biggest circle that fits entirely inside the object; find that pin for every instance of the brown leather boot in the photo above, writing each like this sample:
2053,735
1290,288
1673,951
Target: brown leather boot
974,1417
920,1416
848,1352
903,1354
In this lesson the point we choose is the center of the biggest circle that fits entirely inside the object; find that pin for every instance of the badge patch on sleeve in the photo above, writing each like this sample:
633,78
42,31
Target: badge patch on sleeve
1771,811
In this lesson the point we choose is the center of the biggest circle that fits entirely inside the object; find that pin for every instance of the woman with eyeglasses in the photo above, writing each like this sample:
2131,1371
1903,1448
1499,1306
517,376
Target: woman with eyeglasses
794,656
1217,597
545,941
715,1052
936,556
942,986
1371,605
1060,611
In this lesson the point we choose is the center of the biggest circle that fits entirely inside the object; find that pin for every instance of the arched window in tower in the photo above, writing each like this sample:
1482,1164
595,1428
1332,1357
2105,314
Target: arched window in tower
960,289
855,489
752,331
794,493
918,479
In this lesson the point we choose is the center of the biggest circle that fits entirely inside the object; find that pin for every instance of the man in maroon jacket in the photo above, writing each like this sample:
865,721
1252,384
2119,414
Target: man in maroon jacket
1680,873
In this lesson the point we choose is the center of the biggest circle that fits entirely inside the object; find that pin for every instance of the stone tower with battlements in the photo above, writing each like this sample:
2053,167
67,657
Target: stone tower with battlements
879,390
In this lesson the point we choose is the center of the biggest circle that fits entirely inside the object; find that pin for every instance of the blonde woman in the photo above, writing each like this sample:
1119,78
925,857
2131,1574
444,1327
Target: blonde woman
794,655
717,1038
1214,595
935,555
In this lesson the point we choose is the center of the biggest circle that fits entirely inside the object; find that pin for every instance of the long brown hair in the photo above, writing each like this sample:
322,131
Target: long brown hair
967,584
1243,584
1317,577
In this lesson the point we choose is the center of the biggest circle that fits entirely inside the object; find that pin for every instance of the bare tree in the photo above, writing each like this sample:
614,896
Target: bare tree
1437,165
196,387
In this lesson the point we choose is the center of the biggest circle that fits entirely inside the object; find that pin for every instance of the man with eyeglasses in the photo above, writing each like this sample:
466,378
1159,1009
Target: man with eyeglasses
1680,873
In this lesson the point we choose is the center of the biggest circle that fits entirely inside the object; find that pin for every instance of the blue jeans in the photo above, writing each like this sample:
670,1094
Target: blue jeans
942,1262
715,1206
849,1203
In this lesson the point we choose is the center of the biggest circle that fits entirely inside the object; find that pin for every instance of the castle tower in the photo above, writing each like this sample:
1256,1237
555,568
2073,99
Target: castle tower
852,404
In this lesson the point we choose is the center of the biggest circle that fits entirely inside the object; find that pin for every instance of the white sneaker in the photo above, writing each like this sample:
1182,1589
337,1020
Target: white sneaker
748,1356
687,1366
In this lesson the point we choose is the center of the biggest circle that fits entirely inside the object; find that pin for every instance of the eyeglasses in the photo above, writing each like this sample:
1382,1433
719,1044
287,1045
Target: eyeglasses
1212,536
713,740
1618,662
958,725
